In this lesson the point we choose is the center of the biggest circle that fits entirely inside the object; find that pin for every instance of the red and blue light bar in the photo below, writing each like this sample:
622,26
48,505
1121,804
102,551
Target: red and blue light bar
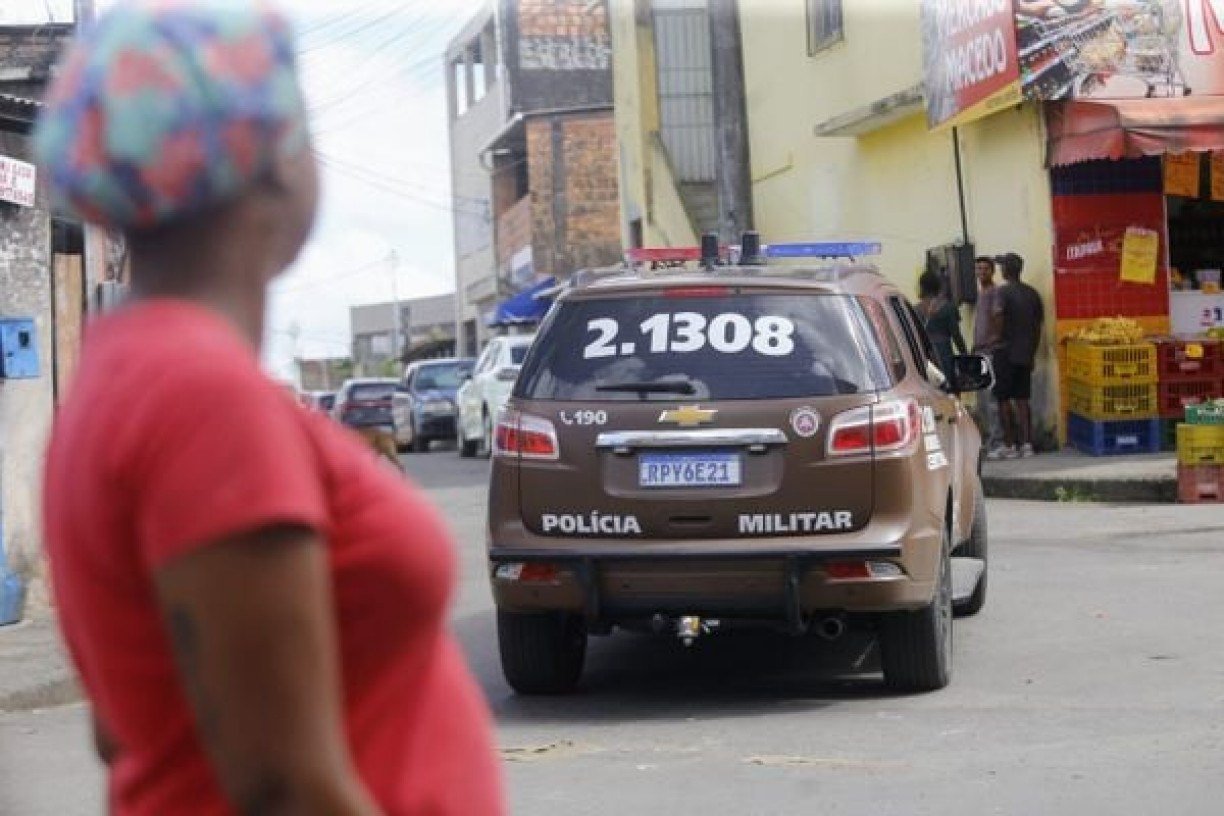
813,249
823,249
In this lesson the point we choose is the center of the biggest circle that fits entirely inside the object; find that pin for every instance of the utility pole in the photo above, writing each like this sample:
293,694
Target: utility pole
731,118
396,339
95,238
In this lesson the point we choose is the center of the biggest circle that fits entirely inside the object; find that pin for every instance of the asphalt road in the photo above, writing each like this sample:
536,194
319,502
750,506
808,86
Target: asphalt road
1092,683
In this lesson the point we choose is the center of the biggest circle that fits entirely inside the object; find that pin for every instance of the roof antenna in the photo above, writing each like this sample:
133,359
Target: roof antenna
750,249
709,250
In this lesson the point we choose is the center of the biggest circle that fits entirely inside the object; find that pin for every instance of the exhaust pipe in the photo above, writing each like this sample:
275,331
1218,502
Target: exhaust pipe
831,628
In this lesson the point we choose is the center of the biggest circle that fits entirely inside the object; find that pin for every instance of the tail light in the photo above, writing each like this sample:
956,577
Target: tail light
888,426
523,436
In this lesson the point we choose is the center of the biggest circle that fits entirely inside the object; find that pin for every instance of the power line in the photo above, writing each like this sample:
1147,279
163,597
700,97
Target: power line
369,24
384,178
385,187
315,284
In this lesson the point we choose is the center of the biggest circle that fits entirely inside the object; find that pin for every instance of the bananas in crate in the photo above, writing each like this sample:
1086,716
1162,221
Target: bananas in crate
1113,331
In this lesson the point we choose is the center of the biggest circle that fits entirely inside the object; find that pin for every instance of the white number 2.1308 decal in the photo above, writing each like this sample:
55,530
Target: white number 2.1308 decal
685,332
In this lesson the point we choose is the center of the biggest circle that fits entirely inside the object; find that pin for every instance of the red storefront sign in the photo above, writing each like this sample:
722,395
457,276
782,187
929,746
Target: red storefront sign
970,66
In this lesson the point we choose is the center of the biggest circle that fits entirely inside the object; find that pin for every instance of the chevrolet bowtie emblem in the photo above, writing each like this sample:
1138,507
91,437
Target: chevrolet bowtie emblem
688,416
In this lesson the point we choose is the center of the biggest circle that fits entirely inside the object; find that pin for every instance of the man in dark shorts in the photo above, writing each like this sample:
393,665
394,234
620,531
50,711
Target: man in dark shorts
1018,316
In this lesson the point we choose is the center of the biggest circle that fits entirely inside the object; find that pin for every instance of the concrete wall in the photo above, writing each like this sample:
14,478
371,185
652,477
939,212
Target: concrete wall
897,182
470,131
25,405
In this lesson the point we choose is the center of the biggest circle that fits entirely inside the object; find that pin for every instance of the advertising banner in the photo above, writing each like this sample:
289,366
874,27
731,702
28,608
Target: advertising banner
1120,49
970,66
17,181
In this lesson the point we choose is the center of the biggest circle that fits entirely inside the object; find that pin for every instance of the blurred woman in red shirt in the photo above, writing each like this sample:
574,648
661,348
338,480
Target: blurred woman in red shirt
256,605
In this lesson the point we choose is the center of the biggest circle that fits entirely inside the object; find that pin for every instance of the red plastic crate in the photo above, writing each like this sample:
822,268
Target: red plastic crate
1173,397
1200,483
1176,359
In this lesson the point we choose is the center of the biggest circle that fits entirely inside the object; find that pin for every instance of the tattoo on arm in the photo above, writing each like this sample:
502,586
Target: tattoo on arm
185,636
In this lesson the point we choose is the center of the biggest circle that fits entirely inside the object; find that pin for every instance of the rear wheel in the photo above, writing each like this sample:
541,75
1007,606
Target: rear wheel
402,445
486,441
420,444
467,448
916,647
976,547
541,652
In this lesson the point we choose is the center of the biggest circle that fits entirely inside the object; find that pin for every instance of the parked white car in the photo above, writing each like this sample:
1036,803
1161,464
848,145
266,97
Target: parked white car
482,396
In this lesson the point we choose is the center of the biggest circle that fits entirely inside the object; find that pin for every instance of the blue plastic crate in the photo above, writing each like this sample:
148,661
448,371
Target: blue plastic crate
1112,438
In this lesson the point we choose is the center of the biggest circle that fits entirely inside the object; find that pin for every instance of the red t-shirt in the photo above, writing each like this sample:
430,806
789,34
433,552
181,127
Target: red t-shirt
171,439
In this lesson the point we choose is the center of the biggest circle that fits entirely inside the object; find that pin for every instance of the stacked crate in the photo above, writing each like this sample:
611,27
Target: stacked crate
1112,397
1191,371
1200,453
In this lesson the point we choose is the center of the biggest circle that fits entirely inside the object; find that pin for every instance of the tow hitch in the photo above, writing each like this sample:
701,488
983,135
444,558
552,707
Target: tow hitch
685,627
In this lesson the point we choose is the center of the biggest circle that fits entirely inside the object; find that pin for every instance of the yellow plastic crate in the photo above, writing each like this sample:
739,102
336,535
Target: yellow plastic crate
1200,444
1098,364
1133,401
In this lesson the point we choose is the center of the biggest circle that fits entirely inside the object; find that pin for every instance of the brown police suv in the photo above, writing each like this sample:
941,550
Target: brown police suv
689,450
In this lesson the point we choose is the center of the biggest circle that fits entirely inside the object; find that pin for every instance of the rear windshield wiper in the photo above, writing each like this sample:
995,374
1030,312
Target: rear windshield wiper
673,387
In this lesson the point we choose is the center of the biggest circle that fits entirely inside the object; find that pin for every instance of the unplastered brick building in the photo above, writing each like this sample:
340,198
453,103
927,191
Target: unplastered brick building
533,152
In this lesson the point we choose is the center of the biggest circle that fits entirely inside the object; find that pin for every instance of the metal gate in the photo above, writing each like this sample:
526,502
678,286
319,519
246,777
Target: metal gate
686,103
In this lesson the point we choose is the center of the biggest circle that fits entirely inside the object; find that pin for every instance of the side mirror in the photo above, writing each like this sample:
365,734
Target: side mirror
971,372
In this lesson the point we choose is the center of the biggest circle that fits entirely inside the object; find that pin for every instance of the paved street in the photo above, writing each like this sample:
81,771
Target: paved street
1092,683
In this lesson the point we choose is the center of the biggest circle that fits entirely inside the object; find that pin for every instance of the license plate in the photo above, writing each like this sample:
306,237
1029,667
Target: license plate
689,470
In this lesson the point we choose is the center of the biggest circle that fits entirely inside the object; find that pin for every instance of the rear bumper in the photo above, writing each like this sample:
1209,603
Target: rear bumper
780,579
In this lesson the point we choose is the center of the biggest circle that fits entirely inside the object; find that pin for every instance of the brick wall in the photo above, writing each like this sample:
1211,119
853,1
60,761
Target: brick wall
514,230
574,203
34,47
558,52
562,18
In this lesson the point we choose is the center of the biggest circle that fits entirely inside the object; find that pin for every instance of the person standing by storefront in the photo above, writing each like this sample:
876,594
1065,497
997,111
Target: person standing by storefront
1018,315
985,343
941,320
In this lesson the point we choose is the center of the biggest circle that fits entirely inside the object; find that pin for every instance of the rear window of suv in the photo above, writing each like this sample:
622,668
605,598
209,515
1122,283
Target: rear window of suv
372,391
723,347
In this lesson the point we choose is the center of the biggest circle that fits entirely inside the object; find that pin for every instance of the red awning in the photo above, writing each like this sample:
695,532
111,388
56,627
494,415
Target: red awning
1131,128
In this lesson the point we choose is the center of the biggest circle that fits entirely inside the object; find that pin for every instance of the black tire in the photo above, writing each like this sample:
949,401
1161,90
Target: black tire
467,448
404,447
486,442
541,652
976,547
420,443
916,647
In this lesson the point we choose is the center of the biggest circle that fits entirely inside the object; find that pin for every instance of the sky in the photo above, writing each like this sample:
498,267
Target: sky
372,73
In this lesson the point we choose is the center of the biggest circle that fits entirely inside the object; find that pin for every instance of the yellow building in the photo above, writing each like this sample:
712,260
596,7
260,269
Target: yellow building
839,143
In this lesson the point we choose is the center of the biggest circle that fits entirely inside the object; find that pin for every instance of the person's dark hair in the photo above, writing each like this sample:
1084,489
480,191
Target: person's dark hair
1012,265
984,259
929,284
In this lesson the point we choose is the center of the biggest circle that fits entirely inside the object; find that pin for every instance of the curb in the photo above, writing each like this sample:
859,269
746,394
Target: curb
1120,491
57,692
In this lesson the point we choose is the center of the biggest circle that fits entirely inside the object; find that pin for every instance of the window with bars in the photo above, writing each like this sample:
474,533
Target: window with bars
824,18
